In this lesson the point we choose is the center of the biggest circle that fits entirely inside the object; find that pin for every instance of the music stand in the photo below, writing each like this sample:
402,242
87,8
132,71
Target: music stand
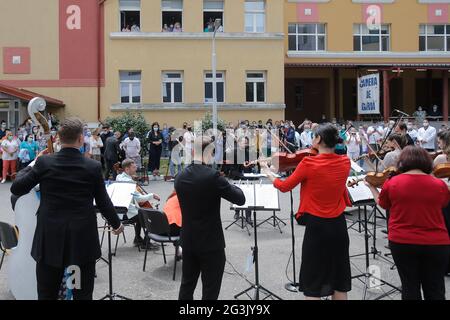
111,295
119,198
367,275
241,220
294,285
256,286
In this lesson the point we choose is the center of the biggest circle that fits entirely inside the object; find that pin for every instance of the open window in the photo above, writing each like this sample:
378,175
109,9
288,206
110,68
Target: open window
130,15
212,10
172,15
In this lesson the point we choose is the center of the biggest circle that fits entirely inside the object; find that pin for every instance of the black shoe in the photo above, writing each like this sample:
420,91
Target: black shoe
151,246
249,222
138,241
384,231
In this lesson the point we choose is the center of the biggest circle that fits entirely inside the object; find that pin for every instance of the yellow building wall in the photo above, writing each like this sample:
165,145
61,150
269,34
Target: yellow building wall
34,24
193,57
80,102
404,17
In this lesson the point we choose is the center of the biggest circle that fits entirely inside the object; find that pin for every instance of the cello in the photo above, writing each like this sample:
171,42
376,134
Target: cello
22,267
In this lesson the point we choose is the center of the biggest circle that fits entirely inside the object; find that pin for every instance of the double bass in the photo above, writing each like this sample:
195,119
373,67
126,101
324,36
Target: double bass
22,267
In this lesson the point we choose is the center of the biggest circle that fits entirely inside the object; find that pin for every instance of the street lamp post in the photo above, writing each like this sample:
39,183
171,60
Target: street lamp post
217,24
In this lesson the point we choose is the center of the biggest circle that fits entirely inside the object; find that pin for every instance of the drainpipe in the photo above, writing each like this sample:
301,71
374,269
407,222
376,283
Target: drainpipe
99,58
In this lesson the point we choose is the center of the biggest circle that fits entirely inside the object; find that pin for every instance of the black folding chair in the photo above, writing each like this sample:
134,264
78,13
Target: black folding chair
157,228
8,239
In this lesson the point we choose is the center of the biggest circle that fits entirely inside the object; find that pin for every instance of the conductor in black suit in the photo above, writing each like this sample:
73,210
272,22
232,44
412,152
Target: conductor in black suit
200,189
66,231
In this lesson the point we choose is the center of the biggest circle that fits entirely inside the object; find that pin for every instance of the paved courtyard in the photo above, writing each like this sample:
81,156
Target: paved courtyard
274,252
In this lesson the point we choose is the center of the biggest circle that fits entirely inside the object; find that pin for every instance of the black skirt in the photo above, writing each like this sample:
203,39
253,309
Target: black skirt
325,264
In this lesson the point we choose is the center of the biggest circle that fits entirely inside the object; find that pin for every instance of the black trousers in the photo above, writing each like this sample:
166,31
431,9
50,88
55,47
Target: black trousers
446,212
210,265
110,168
154,160
421,267
49,281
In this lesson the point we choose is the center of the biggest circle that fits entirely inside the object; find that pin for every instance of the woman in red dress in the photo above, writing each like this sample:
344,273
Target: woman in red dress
325,269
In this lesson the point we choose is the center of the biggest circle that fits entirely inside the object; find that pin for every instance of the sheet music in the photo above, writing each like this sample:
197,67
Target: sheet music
249,193
121,194
266,196
355,167
259,175
360,192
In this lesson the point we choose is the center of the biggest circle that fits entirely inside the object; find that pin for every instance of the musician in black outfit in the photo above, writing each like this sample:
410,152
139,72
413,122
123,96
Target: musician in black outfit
200,189
402,129
66,231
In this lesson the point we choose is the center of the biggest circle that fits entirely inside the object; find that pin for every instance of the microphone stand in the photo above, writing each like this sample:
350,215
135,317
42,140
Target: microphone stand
292,286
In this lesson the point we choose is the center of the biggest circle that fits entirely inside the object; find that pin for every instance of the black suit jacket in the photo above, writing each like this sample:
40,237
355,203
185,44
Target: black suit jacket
112,149
66,230
200,189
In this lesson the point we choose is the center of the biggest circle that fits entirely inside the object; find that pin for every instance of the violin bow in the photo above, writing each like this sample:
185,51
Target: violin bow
375,153
279,141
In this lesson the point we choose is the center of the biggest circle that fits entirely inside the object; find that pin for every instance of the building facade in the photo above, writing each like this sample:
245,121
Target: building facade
102,58
275,58
329,43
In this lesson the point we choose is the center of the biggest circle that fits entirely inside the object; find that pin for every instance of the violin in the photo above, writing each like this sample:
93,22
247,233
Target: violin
375,155
283,161
435,154
442,171
376,179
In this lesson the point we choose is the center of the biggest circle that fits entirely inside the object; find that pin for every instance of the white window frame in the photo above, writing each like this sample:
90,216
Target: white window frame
174,10
255,81
446,35
379,35
217,10
254,13
130,87
316,34
210,80
172,82
130,9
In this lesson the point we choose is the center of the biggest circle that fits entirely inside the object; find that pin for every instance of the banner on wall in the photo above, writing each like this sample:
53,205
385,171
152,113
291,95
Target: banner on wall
369,94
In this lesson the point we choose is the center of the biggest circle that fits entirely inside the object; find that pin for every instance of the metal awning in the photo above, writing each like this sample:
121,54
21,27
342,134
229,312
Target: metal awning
26,95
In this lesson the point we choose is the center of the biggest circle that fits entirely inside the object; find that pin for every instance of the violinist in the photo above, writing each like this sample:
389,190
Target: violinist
444,145
443,159
418,237
325,269
129,171
395,142
402,129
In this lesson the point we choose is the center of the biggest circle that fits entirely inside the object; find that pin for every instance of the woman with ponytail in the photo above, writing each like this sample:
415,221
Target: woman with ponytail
325,269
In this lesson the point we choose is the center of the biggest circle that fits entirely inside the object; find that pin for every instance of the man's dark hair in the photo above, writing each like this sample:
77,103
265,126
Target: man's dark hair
403,127
415,158
70,130
400,139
